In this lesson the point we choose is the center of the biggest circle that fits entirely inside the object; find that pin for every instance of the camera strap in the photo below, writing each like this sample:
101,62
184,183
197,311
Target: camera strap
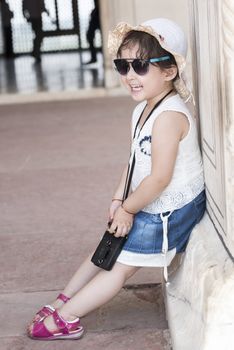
132,158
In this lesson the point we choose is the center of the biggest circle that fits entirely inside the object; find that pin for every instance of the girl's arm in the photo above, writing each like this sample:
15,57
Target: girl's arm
168,130
118,194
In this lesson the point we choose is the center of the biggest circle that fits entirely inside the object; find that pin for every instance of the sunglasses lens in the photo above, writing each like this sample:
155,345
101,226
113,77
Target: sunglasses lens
122,66
141,67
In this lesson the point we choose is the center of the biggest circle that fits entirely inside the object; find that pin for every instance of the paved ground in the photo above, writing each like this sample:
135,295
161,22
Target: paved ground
59,163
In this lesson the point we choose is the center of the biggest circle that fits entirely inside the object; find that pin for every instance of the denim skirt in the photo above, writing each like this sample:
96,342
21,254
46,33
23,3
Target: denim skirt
146,235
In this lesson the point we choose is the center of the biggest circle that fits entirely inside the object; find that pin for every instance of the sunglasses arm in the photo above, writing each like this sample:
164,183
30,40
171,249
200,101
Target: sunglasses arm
159,59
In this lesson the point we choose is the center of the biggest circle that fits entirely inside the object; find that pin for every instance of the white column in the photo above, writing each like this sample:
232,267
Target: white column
200,297
113,12
228,111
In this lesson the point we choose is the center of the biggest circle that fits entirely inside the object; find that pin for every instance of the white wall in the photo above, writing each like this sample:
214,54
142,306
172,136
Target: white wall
200,297
174,10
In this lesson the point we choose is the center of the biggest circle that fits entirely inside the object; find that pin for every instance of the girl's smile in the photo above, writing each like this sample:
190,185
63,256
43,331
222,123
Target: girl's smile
135,88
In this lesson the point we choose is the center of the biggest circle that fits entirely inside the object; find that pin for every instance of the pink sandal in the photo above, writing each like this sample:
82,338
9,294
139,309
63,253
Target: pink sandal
48,309
66,329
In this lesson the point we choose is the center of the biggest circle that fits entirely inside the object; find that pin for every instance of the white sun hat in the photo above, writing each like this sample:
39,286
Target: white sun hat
170,37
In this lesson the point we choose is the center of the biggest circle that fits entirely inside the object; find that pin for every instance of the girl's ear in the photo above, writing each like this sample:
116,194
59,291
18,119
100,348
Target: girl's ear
170,73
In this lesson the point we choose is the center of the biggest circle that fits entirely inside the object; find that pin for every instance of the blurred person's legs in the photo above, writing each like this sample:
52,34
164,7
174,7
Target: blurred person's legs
7,33
90,39
38,37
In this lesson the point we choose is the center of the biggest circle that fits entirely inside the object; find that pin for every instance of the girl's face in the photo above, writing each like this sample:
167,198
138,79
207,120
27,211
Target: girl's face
144,87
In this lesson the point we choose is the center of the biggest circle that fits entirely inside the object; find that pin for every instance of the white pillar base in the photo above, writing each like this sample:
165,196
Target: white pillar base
200,296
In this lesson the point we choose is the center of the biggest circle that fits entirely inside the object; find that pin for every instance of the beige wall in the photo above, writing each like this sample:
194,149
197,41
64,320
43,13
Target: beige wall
213,58
200,298
174,10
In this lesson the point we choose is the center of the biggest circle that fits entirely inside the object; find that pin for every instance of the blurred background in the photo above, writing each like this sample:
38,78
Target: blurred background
44,43
56,45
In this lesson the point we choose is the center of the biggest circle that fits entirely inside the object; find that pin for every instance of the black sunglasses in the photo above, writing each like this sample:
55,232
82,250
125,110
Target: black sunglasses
140,66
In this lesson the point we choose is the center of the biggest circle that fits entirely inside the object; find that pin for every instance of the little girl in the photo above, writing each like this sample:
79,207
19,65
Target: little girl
167,196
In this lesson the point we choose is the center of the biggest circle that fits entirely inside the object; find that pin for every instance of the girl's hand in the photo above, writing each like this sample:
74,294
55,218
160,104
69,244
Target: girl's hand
115,204
122,223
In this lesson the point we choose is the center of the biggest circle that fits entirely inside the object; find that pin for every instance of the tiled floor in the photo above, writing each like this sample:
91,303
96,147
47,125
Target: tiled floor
56,72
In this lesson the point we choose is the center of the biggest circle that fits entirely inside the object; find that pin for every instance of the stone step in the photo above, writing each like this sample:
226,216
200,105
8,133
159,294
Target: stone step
134,319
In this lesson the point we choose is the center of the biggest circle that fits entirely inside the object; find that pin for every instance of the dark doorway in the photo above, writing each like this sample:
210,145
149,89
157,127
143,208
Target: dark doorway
63,30
64,48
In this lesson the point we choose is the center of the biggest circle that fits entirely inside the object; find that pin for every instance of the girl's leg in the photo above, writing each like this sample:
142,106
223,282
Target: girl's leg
102,288
83,275
86,271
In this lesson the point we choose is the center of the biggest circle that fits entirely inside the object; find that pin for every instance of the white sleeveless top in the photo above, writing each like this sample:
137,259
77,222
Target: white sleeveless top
187,179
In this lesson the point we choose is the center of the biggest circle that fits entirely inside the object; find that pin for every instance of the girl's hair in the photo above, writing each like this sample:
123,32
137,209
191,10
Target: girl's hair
149,47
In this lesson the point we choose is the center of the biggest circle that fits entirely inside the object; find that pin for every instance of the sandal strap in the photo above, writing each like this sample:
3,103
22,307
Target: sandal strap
63,325
48,309
63,297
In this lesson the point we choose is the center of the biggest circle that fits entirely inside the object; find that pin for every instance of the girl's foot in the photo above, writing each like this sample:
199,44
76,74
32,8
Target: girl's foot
49,309
55,327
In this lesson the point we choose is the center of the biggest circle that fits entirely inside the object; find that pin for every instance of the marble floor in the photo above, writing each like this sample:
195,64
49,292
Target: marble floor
55,72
